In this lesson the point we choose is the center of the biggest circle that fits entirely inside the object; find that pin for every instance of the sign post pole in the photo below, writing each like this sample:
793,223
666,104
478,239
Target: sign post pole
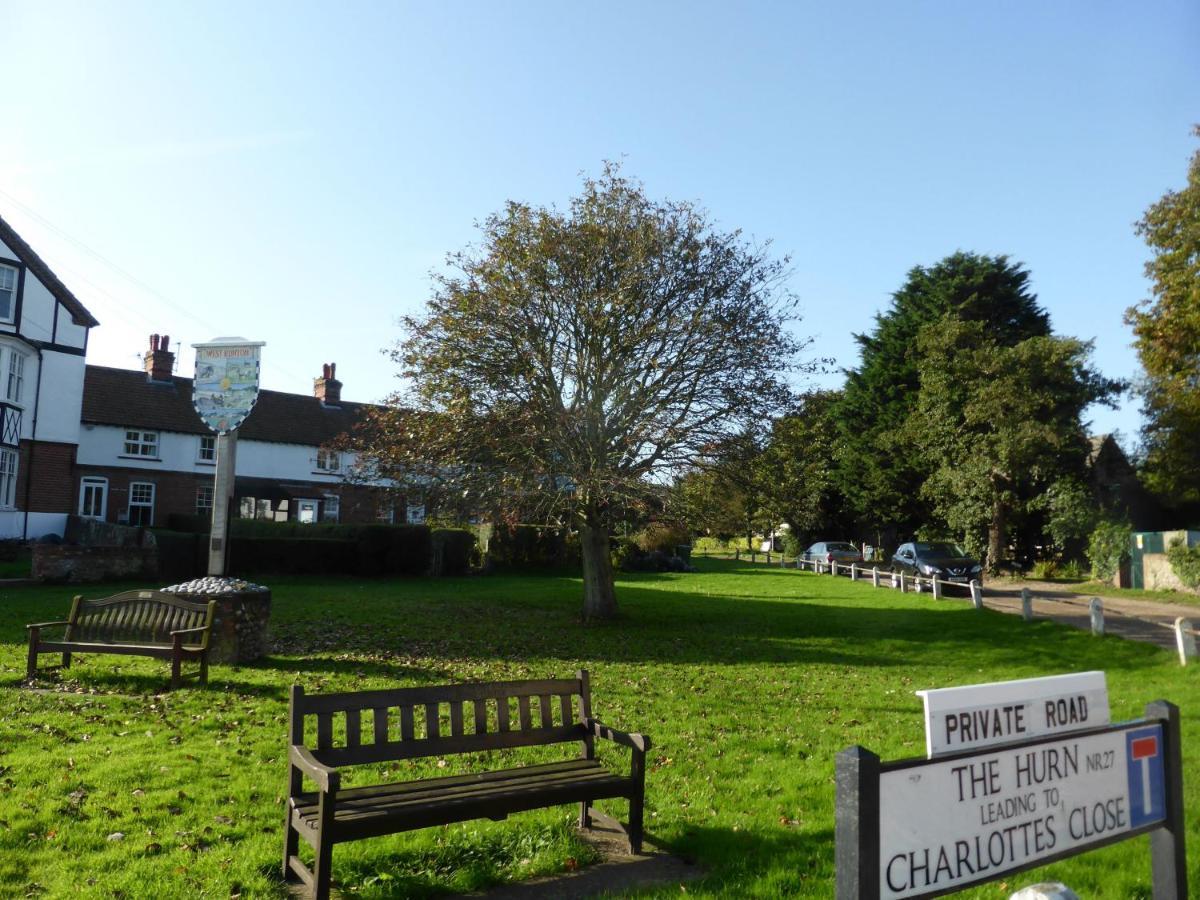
218,545
856,824
1168,861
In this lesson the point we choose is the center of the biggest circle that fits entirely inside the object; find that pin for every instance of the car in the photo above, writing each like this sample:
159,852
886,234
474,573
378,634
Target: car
946,560
832,551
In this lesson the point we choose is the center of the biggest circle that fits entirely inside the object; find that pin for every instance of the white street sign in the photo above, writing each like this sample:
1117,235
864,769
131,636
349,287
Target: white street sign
1005,712
956,822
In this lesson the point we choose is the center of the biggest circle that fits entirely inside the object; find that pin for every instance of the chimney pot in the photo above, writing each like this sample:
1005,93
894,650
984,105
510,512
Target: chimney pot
159,360
328,389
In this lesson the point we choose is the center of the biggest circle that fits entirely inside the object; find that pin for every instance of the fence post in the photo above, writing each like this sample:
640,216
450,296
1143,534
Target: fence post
976,594
1026,605
854,571
874,576
1185,640
833,567
937,588
1096,609
903,583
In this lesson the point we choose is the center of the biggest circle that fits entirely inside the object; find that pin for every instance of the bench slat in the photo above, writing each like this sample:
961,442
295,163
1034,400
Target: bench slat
565,702
467,743
380,719
406,723
353,728
421,695
502,714
547,711
480,716
523,707
432,728
325,731
456,718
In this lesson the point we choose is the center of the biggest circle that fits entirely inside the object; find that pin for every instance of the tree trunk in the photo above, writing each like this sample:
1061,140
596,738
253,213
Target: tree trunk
996,536
599,596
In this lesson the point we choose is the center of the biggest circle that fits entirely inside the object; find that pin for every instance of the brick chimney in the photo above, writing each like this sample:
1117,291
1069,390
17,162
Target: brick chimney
327,388
159,360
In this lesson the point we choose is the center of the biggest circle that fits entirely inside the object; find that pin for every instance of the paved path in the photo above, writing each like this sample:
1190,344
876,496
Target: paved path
1138,620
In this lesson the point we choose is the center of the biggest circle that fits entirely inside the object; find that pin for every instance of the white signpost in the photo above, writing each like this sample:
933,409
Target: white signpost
985,715
224,392
1020,774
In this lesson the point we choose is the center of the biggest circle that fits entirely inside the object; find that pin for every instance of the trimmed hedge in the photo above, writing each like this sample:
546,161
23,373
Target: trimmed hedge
452,550
292,556
533,547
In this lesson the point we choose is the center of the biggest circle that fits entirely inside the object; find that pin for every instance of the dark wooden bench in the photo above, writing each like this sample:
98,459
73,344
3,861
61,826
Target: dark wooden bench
409,723
138,623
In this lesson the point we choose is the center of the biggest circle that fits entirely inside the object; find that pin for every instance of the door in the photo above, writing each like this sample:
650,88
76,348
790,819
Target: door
306,511
93,498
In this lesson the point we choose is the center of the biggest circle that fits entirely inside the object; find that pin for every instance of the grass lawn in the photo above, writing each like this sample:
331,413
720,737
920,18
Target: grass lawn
748,679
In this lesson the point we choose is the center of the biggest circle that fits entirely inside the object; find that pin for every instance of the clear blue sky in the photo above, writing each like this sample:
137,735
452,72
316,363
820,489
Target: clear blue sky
291,172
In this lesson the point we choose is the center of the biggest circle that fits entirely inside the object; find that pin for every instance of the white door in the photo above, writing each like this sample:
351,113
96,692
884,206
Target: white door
93,497
306,511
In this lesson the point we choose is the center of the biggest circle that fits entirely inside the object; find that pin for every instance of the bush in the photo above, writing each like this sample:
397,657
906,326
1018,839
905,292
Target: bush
189,524
452,550
532,547
1185,563
661,537
292,556
1045,569
1108,549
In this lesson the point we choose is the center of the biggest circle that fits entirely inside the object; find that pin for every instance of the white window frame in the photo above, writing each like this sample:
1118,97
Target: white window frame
16,376
204,509
386,515
139,505
140,442
9,462
16,286
210,459
302,504
93,481
415,513
331,509
328,460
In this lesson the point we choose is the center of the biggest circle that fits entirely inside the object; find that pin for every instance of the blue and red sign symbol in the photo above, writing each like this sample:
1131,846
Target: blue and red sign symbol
1144,758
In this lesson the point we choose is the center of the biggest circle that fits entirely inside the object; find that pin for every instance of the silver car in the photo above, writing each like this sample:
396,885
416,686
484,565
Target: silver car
832,551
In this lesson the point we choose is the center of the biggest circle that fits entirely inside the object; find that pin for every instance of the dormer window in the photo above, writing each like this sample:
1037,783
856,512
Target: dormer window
8,293
328,460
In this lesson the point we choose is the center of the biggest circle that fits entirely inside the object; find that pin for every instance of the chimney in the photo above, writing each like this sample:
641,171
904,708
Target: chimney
327,388
159,360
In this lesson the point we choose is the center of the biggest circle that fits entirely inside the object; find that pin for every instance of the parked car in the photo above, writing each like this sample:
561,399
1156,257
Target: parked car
832,551
949,562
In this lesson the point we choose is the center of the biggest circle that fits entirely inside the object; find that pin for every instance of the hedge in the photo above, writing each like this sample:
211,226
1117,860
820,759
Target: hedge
452,550
533,547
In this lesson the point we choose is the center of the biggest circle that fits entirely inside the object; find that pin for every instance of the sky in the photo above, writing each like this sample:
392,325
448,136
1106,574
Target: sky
293,172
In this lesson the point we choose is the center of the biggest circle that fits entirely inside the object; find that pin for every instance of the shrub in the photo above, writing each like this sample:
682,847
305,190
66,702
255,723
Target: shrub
189,524
292,556
1108,548
532,547
1185,562
453,549
1045,569
664,538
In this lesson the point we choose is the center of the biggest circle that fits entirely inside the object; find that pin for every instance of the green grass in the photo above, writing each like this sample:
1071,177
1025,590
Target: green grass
748,679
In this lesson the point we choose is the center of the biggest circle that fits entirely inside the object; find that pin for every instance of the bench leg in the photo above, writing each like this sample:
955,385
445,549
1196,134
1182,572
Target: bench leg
66,661
291,842
635,825
204,669
31,660
324,850
175,671
585,819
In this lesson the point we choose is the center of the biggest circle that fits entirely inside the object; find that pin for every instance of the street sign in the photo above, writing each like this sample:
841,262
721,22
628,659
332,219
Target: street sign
948,824
986,715
225,388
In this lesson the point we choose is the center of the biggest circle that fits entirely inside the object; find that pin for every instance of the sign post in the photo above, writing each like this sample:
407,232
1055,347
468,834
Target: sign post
224,392
926,827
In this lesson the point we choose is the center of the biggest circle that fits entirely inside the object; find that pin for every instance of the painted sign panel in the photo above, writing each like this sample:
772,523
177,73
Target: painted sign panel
226,385
951,823
1004,712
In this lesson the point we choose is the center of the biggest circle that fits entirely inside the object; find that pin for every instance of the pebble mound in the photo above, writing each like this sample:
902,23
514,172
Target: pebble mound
214,584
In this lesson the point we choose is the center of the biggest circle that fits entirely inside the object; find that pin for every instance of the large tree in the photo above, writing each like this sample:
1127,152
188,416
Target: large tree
999,424
574,357
879,471
1167,337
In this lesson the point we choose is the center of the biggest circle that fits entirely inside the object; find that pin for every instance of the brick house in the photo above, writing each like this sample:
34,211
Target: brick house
43,340
126,446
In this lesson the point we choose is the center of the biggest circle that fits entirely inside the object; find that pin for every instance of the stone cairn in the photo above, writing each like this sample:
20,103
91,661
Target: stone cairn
242,615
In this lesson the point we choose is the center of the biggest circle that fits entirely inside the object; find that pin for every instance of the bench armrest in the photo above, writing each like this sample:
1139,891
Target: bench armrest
190,630
327,779
637,741
45,624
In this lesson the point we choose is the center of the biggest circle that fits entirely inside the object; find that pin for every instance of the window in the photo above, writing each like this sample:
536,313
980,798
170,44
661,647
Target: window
141,503
16,375
8,293
8,478
93,498
141,443
208,449
204,500
331,508
416,514
386,514
328,460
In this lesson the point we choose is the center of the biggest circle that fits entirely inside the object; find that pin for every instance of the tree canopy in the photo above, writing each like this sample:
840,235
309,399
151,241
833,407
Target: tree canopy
1167,337
576,356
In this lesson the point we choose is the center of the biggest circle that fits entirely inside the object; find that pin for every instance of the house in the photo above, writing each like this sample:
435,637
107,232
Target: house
43,341
126,446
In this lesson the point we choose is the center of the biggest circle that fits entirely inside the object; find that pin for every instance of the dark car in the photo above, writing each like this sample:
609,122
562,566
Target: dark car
949,562
832,551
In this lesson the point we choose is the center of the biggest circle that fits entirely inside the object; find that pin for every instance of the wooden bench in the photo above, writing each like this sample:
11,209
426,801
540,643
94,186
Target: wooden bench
138,623
409,723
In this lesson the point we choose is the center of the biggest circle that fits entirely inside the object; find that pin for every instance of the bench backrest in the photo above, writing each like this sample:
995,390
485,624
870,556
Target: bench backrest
136,617
406,723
